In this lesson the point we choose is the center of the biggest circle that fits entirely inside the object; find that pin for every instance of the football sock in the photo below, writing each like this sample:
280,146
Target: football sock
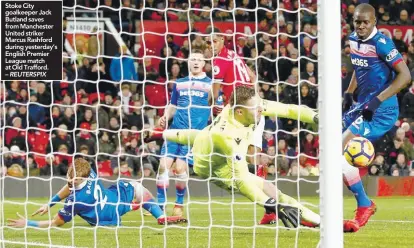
353,181
151,206
181,187
162,188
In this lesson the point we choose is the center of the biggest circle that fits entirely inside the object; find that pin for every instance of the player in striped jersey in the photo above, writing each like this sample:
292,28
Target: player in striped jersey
379,74
189,109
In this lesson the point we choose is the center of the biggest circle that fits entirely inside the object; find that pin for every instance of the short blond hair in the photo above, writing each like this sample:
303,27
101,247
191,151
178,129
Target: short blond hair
80,168
241,95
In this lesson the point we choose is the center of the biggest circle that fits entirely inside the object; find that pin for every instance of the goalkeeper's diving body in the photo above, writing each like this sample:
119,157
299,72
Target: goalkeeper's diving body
87,197
220,149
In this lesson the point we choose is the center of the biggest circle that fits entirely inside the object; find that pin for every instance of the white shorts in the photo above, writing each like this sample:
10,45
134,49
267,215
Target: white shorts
258,133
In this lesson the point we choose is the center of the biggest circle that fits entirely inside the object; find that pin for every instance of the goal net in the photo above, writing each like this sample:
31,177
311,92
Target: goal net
120,63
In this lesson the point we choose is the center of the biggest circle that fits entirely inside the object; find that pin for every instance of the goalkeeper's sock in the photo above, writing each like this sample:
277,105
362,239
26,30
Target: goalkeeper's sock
162,188
181,187
151,206
353,182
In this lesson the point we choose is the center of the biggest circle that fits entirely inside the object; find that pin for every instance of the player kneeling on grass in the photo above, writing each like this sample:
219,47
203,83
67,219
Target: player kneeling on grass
87,197
220,150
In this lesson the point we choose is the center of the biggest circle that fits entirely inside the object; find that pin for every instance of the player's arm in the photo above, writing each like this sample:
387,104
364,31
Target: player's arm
62,194
290,111
252,75
400,82
181,136
349,94
23,222
390,55
171,108
352,85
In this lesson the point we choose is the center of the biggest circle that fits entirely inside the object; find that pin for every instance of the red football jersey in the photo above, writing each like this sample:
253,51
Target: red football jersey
231,70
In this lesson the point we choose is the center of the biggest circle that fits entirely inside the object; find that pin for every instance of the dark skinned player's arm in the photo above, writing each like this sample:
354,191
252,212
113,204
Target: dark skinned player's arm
401,81
352,85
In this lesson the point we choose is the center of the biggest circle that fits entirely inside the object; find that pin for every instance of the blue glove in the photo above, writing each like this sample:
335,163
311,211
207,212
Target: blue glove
348,101
369,109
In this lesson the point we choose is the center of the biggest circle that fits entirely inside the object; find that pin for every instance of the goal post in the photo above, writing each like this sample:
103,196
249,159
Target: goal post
330,126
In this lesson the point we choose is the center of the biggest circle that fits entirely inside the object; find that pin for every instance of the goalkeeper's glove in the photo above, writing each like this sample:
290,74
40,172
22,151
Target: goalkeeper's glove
155,134
290,216
370,108
348,101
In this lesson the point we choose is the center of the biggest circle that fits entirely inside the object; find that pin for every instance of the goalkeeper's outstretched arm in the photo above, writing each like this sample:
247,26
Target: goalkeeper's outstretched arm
291,111
181,136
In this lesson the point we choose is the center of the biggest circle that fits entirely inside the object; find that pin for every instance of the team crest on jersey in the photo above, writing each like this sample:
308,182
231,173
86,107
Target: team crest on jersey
216,70
392,55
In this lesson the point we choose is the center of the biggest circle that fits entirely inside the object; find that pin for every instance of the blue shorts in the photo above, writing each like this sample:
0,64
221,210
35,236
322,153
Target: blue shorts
383,120
126,194
175,150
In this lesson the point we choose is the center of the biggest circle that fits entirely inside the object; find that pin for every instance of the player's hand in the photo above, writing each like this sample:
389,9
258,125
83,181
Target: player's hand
316,119
217,110
370,108
42,210
348,101
288,215
155,134
162,122
21,222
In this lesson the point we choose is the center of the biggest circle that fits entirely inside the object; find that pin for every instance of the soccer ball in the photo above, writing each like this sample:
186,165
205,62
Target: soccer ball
359,152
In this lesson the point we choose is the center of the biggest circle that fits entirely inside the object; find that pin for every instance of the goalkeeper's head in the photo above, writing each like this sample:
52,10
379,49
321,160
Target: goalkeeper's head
247,107
196,62
78,173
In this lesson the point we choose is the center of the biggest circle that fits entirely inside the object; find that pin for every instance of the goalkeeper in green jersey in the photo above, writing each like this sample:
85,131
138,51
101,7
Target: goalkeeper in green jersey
220,149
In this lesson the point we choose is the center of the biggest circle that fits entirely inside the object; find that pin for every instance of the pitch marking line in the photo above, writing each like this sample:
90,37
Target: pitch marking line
383,221
36,244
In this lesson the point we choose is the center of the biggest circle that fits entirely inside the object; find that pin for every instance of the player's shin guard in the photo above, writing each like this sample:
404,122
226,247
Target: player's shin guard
162,188
181,187
353,181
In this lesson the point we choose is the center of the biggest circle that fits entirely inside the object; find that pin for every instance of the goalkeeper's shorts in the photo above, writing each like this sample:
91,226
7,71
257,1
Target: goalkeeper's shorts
383,120
175,150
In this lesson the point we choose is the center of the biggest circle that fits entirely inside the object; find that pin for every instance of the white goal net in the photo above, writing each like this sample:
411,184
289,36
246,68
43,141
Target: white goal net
121,59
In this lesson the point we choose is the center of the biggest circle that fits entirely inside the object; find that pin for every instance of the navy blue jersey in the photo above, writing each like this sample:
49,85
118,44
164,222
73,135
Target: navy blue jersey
96,204
374,59
190,95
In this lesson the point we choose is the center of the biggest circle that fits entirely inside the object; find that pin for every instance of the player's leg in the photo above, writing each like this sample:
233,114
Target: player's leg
144,197
181,173
381,123
168,151
308,217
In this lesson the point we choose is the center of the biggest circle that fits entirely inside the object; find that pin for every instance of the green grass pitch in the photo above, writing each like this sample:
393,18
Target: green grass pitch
211,224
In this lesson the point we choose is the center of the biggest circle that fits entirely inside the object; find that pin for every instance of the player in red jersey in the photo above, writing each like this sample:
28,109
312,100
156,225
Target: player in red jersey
231,71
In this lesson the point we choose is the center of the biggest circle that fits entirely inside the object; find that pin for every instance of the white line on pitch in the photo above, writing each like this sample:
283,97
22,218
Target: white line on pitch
35,244
385,221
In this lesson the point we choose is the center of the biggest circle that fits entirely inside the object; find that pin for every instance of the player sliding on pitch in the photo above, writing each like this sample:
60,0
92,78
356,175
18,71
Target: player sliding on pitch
380,73
220,150
87,197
